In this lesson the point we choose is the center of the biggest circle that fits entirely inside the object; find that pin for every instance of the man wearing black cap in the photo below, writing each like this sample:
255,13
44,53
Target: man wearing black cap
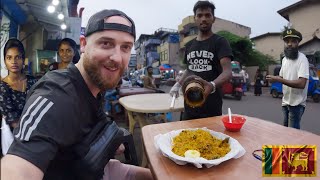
65,106
294,75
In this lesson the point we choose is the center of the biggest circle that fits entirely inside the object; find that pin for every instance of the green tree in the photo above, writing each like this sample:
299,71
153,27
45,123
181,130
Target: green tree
243,51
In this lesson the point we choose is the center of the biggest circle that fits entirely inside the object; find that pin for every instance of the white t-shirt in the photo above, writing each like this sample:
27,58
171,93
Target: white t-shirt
293,70
244,75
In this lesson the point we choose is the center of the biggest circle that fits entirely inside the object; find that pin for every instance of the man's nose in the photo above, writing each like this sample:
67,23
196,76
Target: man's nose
116,54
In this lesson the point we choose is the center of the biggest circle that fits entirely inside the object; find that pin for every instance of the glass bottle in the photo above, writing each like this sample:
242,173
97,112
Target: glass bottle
194,93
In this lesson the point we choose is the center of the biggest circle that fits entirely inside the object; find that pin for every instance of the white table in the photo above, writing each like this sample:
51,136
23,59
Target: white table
142,104
148,103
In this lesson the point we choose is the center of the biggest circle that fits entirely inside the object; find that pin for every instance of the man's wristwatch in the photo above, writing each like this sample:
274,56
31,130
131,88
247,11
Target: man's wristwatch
213,87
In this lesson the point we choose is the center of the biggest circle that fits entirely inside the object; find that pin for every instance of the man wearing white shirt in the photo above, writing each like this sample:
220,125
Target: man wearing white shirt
294,75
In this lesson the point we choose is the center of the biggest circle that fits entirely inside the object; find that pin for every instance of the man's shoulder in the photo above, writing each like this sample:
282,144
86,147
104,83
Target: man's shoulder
57,84
217,37
57,77
302,56
190,42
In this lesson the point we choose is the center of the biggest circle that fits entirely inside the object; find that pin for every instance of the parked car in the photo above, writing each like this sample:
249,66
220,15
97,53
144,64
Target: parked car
139,74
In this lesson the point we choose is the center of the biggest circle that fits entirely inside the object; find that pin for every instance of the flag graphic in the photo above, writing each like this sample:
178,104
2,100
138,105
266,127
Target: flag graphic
289,160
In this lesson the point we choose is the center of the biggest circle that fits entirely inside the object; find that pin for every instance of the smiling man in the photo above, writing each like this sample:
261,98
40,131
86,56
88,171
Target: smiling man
65,106
208,58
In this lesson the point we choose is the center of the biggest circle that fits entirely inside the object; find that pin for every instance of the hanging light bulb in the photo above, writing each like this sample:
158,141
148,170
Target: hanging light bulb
55,2
51,9
63,26
60,16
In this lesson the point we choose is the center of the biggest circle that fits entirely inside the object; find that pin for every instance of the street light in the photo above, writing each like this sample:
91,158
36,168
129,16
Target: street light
63,26
60,16
55,2
51,9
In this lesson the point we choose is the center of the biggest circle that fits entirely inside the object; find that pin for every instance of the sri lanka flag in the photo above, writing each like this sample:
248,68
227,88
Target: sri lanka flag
289,160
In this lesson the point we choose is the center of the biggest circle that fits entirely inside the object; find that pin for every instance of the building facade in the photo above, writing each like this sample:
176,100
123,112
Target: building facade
304,16
156,49
269,44
188,29
140,49
169,48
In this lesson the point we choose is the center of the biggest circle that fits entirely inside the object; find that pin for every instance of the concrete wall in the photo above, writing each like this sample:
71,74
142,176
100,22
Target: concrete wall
5,24
75,28
174,55
306,19
225,25
32,34
218,25
271,45
251,71
311,48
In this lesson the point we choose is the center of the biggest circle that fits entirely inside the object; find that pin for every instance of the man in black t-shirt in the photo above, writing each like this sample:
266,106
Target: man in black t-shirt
208,58
65,105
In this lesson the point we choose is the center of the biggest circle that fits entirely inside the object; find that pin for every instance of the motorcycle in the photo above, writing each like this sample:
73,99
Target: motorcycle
234,86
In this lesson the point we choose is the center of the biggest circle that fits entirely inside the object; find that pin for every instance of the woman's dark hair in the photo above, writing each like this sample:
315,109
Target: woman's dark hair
14,43
149,67
204,5
73,45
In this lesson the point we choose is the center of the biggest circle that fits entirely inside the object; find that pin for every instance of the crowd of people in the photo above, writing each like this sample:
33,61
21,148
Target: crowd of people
52,116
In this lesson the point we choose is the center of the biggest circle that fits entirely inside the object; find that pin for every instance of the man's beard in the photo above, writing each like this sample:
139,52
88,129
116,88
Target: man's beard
103,83
291,53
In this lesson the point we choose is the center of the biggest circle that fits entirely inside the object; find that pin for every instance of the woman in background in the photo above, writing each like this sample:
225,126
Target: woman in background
67,51
14,87
258,79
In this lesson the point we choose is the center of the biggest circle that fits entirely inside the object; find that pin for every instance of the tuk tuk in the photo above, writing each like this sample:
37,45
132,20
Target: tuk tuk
313,86
234,86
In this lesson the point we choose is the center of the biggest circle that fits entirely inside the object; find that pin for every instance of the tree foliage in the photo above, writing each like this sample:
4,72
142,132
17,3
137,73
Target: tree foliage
243,51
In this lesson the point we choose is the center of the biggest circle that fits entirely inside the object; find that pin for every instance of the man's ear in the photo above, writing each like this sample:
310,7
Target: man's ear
83,43
214,19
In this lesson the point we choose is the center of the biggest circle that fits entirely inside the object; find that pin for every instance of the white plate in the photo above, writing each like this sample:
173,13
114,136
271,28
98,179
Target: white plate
163,142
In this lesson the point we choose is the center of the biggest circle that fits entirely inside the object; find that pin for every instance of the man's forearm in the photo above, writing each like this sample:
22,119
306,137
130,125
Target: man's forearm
16,168
299,83
222,78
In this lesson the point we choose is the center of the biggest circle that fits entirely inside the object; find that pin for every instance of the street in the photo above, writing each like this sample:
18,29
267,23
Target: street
267,108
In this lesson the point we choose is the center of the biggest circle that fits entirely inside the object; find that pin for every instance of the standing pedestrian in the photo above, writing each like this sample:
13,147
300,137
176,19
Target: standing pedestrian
294,75
258,82
208,58
15,86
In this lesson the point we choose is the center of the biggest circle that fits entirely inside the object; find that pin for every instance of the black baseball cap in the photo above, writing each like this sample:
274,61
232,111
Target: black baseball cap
291,33
96,23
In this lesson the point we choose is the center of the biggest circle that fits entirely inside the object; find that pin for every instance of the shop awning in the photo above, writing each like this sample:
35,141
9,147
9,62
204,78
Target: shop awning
165,67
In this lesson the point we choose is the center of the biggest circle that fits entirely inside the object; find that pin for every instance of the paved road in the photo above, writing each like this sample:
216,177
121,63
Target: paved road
268,108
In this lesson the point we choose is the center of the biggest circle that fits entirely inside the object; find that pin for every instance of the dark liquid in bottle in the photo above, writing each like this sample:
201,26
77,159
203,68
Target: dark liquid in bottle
194,97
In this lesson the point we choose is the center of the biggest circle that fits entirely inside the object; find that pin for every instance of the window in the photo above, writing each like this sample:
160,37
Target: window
165,55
